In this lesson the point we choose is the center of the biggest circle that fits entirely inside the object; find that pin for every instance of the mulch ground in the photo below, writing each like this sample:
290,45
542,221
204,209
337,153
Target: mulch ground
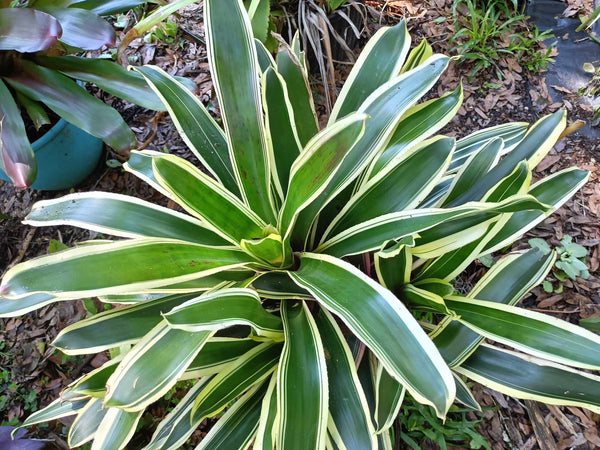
32,366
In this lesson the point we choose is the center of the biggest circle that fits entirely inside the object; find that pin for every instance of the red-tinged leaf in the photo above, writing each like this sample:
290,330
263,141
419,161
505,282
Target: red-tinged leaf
18,159
82,28
27,30
70,101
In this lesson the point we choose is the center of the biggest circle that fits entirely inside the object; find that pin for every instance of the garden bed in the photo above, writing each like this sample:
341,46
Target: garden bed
32,373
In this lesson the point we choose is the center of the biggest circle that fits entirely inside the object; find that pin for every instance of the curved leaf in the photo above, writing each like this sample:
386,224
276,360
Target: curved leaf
16,155
120,215
27,30
410,356
119,267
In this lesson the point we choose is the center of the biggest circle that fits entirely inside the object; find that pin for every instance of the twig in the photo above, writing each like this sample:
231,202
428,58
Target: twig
24,247
542,433
551,311
155,120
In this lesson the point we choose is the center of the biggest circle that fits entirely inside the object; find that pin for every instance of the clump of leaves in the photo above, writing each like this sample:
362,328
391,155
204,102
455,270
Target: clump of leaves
488,31
164,32
309,285
570,263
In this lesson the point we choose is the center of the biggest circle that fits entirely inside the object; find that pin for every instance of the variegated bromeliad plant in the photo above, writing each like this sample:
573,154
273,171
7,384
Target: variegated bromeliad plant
265,292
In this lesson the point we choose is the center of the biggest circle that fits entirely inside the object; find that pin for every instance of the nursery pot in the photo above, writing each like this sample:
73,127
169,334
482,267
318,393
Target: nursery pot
65,156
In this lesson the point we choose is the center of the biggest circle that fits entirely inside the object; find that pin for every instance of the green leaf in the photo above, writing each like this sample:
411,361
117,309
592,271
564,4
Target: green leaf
478,164
592,324
178,426
107,75
240,375
464,395
115,327
258,11
87,422
206,199
283,137
152,367
418,56
415,363
120,215
393,264
541,244
222,309
535,145
511,133
314,169
216,354
525,377
58,409
195,125
70,101
379,62
265,433
93,384
27,30
506,282
296,80
302,382
229,38
119,267
389,394
529,331
16,155
82,29
116,429
400,185
350,424
419,122
369,235
236,428
554,190
386,106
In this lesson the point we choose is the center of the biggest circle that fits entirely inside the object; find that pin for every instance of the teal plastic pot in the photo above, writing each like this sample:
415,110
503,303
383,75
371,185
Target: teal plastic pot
66,155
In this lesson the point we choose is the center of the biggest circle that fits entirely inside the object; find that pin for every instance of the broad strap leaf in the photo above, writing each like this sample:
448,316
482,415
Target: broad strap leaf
529,331
206,199
380,61
296,80
538,141
369,235
400,185
225,308
416,362
229,38
419,122
350,423
116,429
71,101
302,381
196,126
525,377
27,30
81,28
282,135
121,215
237,427
86,423
152,367
506,282
116,327
418,55
314,169
244,372
129,266
554,190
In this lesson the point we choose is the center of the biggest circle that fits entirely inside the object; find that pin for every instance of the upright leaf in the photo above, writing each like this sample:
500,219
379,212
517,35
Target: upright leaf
229,38
302,383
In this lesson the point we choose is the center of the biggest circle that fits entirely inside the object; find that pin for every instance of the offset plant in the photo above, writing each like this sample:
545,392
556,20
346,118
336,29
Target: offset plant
37,66
265,290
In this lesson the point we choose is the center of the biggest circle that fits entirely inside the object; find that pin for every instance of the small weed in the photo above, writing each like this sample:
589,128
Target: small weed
484,35
165,32
418,423
569,264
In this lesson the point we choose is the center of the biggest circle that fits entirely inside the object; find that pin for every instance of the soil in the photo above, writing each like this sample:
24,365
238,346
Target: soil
34,366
